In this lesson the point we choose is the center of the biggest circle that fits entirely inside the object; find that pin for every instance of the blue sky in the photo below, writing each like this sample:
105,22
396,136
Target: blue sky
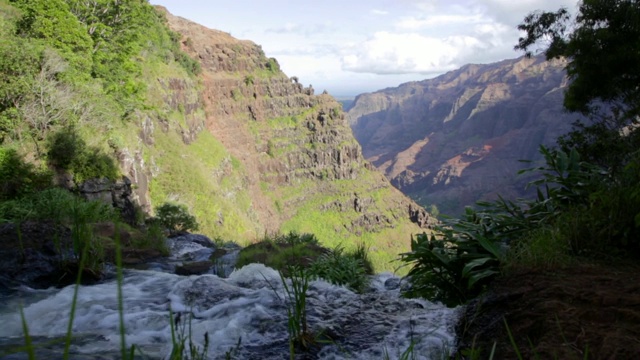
353,46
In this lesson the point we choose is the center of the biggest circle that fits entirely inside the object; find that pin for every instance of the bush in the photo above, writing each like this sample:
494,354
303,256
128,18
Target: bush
282,251
18,178
176,218
67,150
94,164
341,268
57,205
453,266
581,209
64,147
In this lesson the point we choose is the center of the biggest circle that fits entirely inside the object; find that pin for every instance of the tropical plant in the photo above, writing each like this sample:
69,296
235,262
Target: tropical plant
341,268
455,265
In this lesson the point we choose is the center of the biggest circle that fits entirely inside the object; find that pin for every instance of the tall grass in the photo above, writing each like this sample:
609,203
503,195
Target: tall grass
297,326
58,206
343,268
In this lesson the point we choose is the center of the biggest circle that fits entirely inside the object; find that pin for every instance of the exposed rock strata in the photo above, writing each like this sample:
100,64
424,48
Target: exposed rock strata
457,138
283,134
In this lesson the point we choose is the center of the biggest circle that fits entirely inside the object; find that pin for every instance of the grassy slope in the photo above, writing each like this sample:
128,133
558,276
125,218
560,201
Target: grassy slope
205,176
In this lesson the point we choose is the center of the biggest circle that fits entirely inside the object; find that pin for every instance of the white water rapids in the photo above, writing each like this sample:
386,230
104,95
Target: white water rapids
245,308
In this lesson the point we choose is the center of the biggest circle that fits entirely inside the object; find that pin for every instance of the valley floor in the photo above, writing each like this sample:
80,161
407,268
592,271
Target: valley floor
583,312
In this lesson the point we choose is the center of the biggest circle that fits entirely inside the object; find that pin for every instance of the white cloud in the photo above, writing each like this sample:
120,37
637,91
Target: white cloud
366,45
416,23
379,12
391,53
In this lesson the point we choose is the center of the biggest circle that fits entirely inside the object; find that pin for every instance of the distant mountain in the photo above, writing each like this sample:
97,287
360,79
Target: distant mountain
456,139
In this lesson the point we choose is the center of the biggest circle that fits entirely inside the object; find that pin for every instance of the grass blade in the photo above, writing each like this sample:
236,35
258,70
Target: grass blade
27,337
513,341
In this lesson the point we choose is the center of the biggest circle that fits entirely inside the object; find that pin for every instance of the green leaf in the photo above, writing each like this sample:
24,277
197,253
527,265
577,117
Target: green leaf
473,264
473,279
491,247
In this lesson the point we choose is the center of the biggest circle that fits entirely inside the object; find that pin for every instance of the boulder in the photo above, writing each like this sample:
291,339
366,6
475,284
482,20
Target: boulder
194,268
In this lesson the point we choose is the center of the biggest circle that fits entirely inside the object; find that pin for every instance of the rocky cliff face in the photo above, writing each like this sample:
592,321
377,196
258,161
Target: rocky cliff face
277,156
457,138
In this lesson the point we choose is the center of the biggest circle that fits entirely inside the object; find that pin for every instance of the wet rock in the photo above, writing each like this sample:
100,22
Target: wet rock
195,238
194,268
392,284
37,255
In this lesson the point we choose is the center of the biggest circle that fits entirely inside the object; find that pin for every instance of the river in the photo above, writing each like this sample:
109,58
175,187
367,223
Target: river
243,315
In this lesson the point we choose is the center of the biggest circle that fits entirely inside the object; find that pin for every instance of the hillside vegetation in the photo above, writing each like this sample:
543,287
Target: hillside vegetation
112,90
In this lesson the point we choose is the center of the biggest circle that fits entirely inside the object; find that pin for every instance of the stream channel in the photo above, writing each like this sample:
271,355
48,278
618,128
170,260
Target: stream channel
243,314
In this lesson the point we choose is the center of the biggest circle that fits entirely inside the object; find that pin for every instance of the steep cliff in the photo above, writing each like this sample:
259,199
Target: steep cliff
457,138
191,115
288,156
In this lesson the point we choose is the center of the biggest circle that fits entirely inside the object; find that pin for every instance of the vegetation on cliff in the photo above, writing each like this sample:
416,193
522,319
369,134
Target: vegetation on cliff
114,89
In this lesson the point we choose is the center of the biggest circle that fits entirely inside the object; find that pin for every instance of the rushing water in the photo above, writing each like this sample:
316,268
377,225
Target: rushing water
247,308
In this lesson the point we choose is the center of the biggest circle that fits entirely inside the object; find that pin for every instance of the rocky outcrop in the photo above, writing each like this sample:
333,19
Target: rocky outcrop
457,138
38,255
116,193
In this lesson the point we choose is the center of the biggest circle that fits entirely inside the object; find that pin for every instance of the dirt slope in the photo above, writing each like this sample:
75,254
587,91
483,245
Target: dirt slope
584,312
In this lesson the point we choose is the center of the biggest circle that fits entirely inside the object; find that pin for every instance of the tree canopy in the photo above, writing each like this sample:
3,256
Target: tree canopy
602,46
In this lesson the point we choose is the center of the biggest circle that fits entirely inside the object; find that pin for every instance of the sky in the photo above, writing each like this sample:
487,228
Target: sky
348,47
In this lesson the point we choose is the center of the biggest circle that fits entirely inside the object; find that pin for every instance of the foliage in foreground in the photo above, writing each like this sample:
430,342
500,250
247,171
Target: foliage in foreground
341,267
338,266
581,209
588,199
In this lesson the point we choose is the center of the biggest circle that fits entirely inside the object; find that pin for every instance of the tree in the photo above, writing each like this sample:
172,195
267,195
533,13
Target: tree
603,51
176,218
602,45
51,21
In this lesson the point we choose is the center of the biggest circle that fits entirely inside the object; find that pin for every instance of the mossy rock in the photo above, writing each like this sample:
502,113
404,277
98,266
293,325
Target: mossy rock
282,252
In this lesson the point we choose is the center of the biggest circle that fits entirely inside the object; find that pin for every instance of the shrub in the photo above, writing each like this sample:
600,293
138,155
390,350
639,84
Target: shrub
340,268
64,147
272,66
176,218
581,209
451,267
67,150
94,164
282,251
153,238
293,238
19,178
57,205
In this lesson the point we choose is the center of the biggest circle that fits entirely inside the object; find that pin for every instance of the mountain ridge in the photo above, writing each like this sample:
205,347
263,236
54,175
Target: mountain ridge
303,170
457,138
